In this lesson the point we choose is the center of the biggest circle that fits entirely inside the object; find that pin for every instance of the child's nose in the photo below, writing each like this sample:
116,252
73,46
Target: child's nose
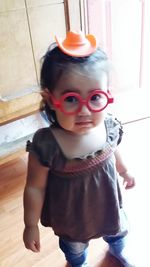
84,110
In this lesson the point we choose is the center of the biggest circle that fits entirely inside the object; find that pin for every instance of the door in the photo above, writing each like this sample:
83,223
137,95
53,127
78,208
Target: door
122,31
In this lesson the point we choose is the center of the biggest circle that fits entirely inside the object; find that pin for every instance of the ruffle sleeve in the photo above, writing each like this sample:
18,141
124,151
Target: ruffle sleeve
114,130
43,146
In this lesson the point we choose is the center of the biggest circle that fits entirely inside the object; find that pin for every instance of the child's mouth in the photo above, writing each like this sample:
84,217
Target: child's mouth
83,123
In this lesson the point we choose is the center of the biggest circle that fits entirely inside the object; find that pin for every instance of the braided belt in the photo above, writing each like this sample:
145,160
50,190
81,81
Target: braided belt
88,163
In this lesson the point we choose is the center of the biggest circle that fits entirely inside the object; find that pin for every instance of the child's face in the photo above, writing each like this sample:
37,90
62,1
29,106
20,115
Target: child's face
83,84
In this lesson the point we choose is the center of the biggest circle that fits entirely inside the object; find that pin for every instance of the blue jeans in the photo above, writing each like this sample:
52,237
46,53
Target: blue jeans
76,252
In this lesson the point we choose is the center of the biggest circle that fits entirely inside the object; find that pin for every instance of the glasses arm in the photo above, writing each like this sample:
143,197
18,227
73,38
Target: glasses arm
110,97
54,101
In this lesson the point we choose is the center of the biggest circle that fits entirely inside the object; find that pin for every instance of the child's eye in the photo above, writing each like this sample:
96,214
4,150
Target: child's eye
96,97
71,99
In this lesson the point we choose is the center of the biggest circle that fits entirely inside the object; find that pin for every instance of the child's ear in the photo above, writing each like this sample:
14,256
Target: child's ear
46,97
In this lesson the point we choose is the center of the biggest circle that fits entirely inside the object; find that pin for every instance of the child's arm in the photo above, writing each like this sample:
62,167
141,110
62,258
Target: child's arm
128,180
33,201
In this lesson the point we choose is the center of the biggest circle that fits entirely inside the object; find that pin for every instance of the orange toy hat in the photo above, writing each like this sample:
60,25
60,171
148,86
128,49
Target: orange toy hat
77,44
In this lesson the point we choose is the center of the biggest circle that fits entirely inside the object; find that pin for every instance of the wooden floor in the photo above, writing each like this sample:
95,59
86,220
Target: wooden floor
136,147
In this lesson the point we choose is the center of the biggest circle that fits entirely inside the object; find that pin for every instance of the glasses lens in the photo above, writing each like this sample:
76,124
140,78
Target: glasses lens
97,101
70,104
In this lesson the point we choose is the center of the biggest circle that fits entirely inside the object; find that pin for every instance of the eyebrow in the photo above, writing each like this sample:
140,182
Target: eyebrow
70,90
78,91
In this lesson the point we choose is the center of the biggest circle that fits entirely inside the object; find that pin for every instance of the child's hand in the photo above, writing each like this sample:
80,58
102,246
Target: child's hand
128,180
31,238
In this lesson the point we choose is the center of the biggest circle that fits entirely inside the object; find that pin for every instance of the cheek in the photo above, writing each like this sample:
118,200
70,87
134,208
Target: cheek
98,117
65,121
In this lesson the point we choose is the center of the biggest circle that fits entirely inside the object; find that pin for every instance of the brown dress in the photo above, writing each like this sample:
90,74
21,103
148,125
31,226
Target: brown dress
83,198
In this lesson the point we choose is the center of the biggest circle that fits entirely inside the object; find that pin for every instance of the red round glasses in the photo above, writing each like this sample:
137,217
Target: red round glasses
71,103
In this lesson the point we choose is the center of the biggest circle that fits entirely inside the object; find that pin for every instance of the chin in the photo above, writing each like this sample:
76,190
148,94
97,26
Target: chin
83,130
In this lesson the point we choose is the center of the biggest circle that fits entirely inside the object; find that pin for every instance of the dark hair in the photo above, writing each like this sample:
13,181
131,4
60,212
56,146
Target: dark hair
55,63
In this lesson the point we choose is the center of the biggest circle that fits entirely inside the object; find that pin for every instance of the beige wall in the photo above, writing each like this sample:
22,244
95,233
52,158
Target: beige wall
26,30
27,27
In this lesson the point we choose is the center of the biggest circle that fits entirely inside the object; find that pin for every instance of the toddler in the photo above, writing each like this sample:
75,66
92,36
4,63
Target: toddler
73,167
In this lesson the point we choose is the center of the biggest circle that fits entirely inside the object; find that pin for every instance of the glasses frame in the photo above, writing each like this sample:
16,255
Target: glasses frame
58,102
